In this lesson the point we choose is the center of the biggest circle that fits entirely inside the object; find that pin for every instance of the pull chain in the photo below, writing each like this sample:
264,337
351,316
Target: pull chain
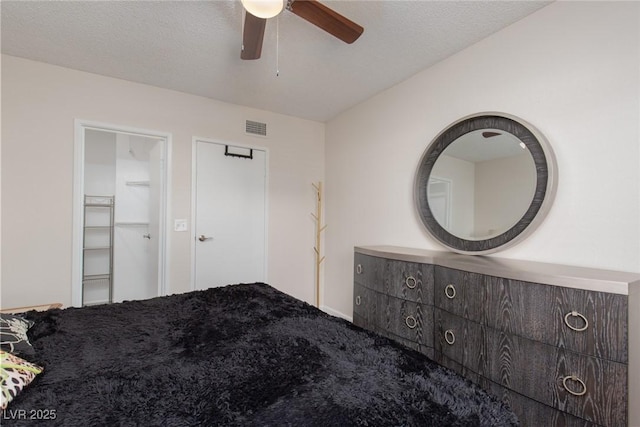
278,46
242,31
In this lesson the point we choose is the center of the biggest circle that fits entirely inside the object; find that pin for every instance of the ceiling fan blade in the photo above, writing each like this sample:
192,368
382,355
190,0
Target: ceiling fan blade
489,134
252,36
327,19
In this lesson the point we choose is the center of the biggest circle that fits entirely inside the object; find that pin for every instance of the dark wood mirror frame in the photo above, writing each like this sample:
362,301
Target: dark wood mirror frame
546,181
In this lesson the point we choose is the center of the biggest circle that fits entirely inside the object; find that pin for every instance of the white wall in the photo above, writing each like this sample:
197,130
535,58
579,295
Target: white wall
570,69
39,105
504,190
1,183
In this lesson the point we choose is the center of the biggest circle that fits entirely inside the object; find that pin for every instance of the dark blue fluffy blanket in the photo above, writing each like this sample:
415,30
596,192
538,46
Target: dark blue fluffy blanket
241,355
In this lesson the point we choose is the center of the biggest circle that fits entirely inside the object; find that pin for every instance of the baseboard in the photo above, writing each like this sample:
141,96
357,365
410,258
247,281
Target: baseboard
336,313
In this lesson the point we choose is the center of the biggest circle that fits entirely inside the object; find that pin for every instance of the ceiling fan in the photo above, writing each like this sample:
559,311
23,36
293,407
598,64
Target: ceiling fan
258,11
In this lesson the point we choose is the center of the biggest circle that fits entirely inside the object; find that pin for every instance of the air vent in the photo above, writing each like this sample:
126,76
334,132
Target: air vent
255,128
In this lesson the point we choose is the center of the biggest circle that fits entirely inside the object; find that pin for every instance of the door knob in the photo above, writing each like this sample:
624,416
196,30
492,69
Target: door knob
146,236
202,238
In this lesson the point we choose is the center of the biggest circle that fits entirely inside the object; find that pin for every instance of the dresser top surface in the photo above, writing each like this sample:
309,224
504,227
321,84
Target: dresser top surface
593,279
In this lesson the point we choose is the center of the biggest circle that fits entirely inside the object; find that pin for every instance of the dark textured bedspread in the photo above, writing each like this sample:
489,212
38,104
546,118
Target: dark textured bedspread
238,355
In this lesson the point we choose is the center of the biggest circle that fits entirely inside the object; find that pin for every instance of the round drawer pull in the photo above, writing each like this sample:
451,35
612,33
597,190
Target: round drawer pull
411,322
573,378
576,314
358,300
359,268
411,282
450,291
449,337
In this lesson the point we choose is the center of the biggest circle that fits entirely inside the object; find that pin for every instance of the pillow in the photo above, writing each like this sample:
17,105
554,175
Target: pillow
15,375
13,334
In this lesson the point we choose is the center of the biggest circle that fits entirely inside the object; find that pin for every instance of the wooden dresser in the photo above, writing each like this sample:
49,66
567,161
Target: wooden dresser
552,341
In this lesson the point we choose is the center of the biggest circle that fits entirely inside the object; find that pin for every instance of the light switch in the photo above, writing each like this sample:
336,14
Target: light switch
180,225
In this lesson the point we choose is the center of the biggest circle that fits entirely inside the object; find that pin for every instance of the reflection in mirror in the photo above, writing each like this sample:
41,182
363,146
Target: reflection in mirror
482,184
439,194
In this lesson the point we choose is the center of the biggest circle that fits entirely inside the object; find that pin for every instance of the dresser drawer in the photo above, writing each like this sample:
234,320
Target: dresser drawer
409,281
406,319
531,413
460,292
421,348
536,370
369,271
588,322
464,342
365,305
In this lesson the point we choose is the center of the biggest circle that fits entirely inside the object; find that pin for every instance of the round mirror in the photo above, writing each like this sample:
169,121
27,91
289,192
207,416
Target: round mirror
485,182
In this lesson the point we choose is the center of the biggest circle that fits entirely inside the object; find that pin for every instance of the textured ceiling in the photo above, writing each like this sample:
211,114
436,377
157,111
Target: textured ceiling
194,46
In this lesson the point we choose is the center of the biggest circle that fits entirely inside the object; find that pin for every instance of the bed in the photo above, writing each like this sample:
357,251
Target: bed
237,355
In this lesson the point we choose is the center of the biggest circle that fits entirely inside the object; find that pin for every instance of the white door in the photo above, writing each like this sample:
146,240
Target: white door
230,215
155,235
137,207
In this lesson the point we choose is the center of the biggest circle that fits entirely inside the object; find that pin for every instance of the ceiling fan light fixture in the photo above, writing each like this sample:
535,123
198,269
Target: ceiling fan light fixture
263,8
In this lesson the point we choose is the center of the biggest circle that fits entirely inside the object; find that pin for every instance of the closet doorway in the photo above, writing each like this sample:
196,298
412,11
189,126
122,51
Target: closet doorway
120,199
